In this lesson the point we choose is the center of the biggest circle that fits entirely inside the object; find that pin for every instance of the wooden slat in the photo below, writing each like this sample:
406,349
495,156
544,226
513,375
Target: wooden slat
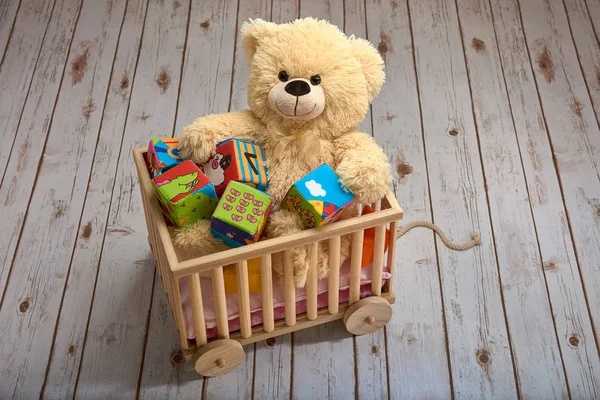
334,275
558,255
379,252
8,14
204,89
197,309
574,135
355,265
594,9
525,295
289,289
392,256
126,274
266,281
18,66
587,45
41,261
474,314
72,324
218,285
241,269
311,281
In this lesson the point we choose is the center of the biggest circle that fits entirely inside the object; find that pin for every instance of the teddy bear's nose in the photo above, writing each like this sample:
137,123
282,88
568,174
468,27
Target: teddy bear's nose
297,88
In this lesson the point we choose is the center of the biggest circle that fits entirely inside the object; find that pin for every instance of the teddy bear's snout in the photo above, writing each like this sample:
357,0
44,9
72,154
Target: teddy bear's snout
297,88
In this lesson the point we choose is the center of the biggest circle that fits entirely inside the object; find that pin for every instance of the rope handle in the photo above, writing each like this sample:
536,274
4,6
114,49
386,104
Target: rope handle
475,239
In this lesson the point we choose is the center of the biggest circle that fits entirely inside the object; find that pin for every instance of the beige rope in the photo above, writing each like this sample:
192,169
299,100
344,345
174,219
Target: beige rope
475,239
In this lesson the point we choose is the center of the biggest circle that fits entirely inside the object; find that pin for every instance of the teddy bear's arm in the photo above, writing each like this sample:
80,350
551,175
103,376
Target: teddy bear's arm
362,166
199,139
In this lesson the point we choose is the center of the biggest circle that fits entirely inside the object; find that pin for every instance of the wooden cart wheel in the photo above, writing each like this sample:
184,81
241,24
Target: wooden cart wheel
218,357
367,315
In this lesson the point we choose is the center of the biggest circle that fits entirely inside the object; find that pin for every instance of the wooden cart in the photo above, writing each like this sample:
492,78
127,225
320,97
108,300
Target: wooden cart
219,356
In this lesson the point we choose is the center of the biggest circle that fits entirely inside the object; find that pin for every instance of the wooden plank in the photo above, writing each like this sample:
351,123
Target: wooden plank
417,359
528,311
324,355
479,351
41,262
205,87
574,135
587,46
8,14
594,11
74,313
18,77
18,66
558,255
119,314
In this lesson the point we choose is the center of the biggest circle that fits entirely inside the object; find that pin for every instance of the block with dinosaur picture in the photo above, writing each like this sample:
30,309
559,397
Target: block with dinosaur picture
241,215
237,160
162,155
186,195
318,197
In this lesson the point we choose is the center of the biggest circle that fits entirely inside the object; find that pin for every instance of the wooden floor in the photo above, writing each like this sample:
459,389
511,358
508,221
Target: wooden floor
490,115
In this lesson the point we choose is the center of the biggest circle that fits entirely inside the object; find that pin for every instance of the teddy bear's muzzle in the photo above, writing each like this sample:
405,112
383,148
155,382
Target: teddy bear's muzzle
297,99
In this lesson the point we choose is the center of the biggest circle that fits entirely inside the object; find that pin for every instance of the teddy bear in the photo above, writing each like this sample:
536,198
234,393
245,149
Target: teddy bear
309,87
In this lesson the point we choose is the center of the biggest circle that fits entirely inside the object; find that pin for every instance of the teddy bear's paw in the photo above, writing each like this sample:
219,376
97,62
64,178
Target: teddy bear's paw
196,240
367,184
197,143
300,273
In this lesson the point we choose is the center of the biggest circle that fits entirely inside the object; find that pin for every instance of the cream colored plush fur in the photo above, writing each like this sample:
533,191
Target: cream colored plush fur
296,135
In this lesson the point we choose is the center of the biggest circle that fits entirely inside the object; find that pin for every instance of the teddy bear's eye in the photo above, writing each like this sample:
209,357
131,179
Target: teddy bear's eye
315,79
283,76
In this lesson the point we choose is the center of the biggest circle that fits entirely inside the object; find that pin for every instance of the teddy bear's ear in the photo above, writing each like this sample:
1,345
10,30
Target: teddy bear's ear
253,32
372,64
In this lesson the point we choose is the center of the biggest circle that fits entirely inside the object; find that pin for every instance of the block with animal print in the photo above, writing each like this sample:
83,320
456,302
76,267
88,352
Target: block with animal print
241,215
186,195
318,197
162,155
240,161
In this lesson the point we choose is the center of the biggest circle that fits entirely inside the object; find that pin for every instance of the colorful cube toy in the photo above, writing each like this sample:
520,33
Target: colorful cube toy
318,197
237,160
162,155
186,195
241,215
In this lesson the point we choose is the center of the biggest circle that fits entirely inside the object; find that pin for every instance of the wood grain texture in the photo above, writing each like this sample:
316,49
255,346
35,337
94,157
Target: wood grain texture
573,132
593,7
530,319
560,267
8,14
74,313
41,262
19,63
416,346
474,314
587,46
119,314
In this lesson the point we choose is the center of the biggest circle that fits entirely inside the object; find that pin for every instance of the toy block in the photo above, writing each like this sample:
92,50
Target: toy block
241,215
318,197
186,195
162,155
240,161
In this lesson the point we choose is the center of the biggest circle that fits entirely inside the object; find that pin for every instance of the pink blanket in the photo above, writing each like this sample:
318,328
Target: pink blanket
256,300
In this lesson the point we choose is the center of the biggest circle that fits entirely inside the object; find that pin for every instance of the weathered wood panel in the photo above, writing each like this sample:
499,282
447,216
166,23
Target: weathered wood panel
535,348
19,176
205,89
18,66
416,347
479,350
121,304
574,135
74,314
560,267
593,7
8,13
587,47
33,295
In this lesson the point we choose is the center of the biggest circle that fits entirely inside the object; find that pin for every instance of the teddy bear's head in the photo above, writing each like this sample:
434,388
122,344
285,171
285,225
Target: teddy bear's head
308,74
